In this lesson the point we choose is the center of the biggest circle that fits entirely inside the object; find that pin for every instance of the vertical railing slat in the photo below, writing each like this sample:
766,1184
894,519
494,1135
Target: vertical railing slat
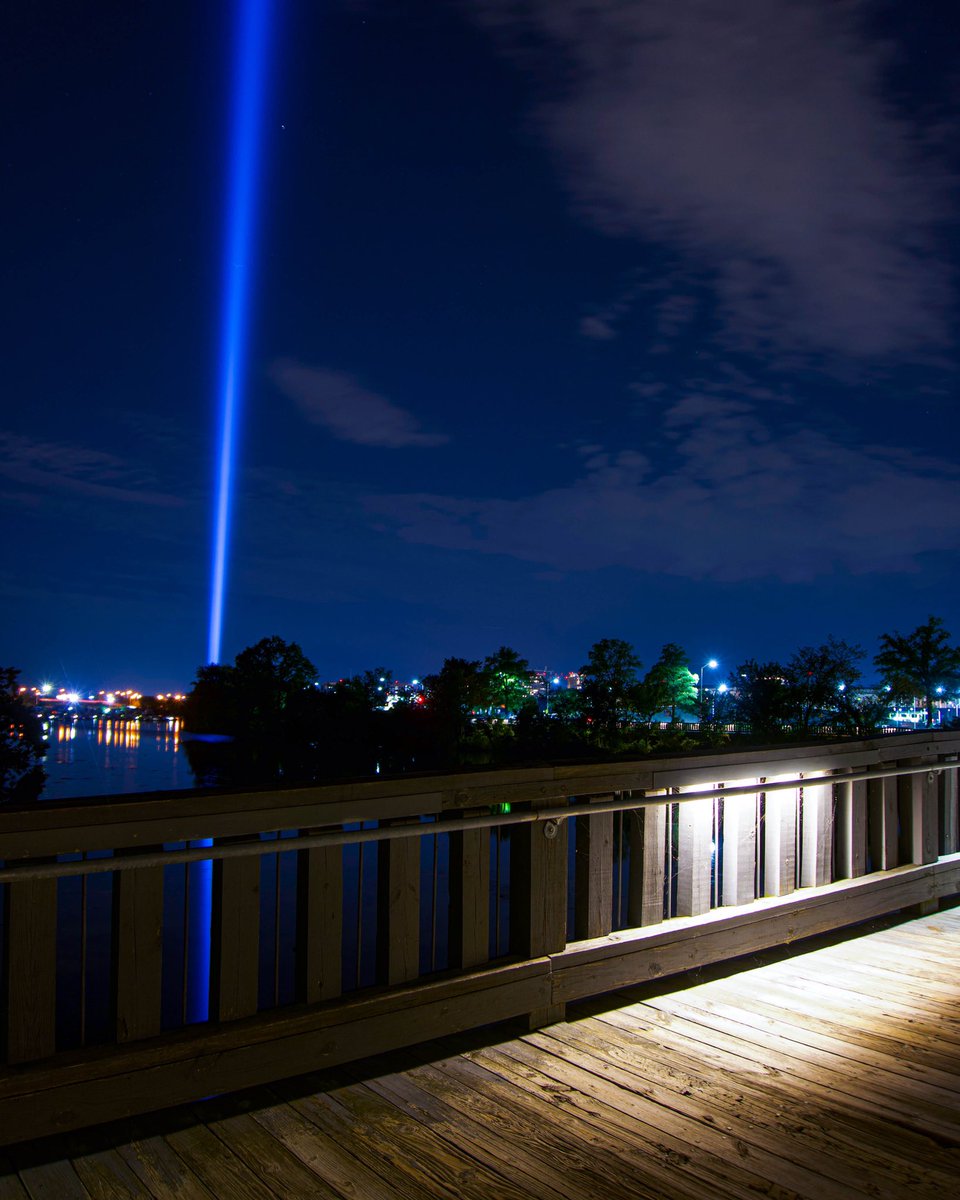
739,849
137,952
319,924
883,823
919,815
593,894
648,848
538,898
398,910
949,824
30,982
816,857
234,971
780,840
694,849
469,924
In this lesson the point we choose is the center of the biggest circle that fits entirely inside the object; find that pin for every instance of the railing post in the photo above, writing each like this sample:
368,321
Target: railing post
648,848
235,943
949,823
851,830
816,858
469,928
919,822
137,952
593,896
694,852
780,839
538,897
883,822
739,849
30,978
319,923
398,910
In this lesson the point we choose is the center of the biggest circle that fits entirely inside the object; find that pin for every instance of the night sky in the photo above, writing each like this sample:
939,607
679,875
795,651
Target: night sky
570,320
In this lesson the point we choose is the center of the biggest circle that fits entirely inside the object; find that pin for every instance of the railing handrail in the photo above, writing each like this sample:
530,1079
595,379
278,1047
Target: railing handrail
387,833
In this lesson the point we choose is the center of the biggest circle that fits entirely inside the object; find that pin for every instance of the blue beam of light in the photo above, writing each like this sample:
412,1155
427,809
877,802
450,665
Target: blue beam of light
249,78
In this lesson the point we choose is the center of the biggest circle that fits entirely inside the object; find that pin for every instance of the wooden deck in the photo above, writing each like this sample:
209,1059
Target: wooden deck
831,1073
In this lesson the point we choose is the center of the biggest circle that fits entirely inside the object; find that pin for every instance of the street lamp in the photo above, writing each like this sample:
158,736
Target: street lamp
710,665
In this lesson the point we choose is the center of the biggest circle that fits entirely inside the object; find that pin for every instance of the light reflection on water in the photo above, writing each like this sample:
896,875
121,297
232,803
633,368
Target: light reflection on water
101,758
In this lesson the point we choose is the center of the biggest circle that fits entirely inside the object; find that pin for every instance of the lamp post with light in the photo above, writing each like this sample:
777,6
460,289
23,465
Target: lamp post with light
710,665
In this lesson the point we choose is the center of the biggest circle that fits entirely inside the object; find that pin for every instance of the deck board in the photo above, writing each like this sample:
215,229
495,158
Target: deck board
832,1071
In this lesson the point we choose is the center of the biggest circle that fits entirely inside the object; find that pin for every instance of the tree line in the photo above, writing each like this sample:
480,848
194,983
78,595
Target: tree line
279,725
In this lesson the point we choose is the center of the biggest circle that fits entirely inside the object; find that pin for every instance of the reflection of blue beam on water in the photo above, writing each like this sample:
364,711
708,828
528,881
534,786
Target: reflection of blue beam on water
248,86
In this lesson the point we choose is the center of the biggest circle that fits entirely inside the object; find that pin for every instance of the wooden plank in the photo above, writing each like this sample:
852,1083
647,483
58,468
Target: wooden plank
816,814
949,812
106,1173
919,815
884,823
538,888
739,849
851,830
137,952
162,1171
648,847
780,839
215,1164
265,1156
235,939
319,943
593,887
323,1154
469,918
30,975
398,910
53,1181
694,857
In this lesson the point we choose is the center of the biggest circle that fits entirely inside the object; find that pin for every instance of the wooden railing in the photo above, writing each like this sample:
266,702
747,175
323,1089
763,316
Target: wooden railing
345,920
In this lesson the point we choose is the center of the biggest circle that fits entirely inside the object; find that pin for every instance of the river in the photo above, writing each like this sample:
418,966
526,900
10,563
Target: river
108,758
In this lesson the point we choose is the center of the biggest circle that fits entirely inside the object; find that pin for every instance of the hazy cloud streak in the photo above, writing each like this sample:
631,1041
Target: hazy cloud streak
349,411
754,136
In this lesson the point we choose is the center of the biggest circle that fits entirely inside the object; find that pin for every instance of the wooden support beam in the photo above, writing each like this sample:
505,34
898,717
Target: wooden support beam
235,939
949,815
780,840
919,814
137,952
398,910
319,924
816,856
469,928
538,888
593,896
851,830
30,976
648,848
739,849
694,857
883,823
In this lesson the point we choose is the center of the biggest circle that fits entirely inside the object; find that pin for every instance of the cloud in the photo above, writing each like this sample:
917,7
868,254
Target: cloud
348,410
720,494
753,137
46,467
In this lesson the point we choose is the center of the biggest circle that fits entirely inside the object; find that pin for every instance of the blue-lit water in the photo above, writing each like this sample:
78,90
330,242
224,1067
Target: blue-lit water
109,758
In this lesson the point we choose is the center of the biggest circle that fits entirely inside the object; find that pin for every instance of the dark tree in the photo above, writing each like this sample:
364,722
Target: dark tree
762,699
21,743
610,689
917,663
819,679
453,696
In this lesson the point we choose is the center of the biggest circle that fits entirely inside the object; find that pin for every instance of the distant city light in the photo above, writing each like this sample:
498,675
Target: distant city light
722,688
73,697
46,688
111,698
